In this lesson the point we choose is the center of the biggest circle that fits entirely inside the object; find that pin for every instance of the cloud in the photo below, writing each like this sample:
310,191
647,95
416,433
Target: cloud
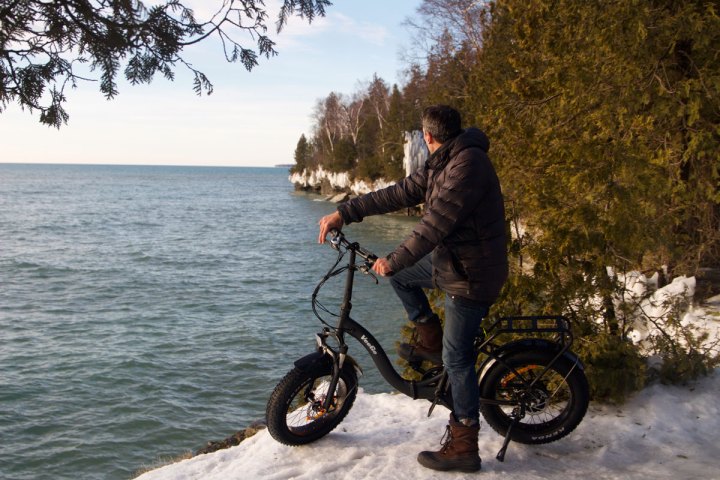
371,33
334,24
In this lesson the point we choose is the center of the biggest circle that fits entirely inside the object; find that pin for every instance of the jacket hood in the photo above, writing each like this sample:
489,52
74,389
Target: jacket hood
469,138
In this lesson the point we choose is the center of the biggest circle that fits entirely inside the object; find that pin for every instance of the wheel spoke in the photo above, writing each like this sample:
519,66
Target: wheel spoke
542,396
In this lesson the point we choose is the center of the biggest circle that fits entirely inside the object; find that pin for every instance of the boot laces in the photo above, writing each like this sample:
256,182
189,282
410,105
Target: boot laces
446,439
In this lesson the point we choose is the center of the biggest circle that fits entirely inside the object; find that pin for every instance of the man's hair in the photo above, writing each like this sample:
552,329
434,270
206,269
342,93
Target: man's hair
442,121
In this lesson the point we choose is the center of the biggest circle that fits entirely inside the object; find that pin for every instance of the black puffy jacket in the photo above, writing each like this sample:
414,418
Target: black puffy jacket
463,224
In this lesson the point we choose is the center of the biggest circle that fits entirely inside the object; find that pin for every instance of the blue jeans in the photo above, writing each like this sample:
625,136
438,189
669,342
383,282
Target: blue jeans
462,321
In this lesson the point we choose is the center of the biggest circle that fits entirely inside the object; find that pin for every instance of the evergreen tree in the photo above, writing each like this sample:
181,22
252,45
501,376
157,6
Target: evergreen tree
344,156
393,136
603,124
41,44
303,155
603,117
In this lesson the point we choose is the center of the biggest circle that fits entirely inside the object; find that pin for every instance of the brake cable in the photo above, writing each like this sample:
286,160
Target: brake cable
332,272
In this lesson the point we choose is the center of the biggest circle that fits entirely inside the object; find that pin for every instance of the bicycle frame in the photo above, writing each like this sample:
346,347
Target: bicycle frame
502,356
425,389
435,388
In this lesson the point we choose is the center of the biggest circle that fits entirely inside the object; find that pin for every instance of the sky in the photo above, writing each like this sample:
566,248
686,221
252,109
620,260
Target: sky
251,119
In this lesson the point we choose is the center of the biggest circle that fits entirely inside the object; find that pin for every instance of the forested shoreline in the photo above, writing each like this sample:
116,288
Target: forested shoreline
604,123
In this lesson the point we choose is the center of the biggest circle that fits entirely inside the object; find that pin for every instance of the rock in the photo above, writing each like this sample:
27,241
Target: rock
339,198
327,187
234,439
330,183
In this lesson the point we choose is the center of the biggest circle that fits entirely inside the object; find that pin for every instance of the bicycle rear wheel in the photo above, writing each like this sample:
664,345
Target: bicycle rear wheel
295,413
553,406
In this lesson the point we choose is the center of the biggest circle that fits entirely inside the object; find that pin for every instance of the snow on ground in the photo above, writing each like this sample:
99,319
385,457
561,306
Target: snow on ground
663,432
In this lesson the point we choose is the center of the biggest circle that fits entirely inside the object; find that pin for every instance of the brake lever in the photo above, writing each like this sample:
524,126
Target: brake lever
366,268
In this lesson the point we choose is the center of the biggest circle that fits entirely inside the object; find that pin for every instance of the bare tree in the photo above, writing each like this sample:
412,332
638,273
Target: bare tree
378,95
460,20
328,117
352,120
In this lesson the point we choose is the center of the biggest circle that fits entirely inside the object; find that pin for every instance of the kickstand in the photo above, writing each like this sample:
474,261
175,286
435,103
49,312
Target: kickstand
441,387
501,454
432,407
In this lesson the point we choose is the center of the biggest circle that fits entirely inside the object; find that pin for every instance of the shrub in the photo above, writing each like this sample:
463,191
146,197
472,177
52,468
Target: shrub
614,367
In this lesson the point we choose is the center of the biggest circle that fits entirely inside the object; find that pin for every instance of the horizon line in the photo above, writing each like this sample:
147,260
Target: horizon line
281,165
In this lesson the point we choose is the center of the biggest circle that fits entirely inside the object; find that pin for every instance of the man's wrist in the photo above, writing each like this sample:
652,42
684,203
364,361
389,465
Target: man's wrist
341,211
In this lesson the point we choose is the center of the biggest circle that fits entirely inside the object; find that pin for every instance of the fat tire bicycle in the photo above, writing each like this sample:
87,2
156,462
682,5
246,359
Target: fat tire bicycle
533,389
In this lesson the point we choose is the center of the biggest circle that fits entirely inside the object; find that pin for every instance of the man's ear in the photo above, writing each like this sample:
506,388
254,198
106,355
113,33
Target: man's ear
427,136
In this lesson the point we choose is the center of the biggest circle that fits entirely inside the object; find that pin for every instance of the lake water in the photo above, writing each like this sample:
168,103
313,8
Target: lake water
147,310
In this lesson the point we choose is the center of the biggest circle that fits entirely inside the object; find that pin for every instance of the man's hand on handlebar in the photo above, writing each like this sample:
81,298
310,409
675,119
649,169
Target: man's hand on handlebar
382,267
334,221
329,222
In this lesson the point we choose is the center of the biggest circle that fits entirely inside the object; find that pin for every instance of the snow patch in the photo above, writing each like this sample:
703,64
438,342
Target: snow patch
339,181
664,432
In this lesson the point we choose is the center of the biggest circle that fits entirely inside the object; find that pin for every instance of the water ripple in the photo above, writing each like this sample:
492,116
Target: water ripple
145,311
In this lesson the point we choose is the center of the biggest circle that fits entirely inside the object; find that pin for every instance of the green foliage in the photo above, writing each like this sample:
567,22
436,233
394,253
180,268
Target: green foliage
679,366
392,153
614,367
604,118
370,167
343,156
604,125
593,149
682,352
303,155
41,44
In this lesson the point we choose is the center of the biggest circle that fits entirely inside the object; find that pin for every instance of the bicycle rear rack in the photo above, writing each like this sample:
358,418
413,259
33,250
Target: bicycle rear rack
532,324
527,325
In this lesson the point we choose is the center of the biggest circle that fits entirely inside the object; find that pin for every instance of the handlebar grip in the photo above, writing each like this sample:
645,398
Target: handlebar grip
336,237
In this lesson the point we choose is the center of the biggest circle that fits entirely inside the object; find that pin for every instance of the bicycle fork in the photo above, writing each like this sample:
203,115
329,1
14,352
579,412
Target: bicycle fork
337,368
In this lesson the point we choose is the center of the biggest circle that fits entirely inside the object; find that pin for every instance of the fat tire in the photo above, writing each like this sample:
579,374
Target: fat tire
281,405
545,431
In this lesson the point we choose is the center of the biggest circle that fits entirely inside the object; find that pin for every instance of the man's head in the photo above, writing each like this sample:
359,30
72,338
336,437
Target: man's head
440,123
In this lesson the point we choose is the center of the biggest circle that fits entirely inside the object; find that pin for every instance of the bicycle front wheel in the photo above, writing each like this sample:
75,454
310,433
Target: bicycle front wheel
295,412
550,409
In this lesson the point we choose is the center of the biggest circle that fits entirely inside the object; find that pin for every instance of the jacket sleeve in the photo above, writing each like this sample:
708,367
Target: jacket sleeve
464,185
408,192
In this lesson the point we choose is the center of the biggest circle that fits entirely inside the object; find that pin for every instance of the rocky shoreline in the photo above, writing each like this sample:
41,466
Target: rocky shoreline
333,183
234,439
337,187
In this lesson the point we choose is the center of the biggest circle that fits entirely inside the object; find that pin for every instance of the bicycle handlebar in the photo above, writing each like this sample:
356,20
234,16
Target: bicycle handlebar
337,238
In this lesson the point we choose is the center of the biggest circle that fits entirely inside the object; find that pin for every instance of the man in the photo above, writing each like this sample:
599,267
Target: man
459,246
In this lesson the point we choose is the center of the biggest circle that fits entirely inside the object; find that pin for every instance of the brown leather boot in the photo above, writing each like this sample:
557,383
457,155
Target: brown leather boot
427,342
459,449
